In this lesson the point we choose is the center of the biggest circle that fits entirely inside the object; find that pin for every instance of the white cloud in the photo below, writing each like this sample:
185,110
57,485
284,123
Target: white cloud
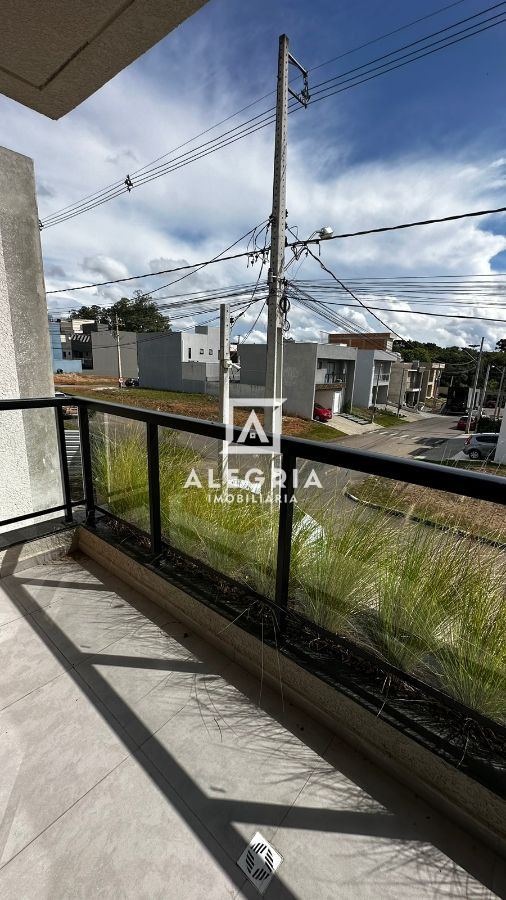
193,213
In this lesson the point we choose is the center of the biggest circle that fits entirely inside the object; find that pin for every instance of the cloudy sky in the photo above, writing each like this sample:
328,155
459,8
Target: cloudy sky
426,140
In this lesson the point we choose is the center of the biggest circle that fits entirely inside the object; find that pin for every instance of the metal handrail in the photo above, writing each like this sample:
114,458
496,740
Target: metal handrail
471,484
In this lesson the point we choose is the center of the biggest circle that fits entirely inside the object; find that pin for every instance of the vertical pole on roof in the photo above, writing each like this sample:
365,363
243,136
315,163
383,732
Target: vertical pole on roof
118,350
483,394
224,387
475,385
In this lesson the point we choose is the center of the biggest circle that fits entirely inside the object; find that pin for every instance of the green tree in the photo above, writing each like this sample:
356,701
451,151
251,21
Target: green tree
501,345
140,313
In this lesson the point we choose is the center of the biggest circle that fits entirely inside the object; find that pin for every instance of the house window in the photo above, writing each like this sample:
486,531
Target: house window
201,351
189,352
210,353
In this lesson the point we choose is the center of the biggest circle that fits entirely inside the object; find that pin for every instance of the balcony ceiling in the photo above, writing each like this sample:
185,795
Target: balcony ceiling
54,55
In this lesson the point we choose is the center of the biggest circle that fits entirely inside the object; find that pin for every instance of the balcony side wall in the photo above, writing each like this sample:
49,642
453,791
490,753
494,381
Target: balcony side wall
28,450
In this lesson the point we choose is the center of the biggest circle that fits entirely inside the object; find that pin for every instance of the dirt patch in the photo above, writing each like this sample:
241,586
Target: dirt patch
83,380
200,406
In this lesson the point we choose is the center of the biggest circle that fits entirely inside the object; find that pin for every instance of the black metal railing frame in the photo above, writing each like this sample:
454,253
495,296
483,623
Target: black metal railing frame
459,481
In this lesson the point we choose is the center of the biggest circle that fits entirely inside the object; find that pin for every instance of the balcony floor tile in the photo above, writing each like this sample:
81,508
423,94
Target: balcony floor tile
145,763
27,663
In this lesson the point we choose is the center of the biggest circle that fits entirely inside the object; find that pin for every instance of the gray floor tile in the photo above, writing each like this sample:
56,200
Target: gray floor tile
38,586
11,606
54,746
127,838
148,676
84,621
27,663
361,835
222,747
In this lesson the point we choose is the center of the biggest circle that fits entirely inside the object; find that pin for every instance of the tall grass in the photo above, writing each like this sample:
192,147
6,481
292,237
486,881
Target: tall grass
420,598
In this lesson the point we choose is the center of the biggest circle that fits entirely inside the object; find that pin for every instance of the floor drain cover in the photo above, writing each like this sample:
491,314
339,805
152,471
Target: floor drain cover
259,862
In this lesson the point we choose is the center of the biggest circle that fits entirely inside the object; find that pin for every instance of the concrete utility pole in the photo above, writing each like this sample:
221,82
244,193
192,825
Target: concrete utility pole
274,362
497,408
484,391
404,371
437,380
376,397
118,350
224,386
475,385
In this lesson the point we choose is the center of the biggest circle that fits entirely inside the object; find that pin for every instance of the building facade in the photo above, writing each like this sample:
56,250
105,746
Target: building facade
180,361
373,340
60,362
335,376
414,383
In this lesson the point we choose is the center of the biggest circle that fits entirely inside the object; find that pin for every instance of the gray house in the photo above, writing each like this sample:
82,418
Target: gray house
332,375
179,361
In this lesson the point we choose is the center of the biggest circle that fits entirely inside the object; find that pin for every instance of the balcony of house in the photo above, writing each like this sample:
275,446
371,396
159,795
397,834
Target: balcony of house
382,375
331,372
183,671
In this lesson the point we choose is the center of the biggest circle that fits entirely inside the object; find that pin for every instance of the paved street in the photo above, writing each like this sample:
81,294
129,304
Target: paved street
431,438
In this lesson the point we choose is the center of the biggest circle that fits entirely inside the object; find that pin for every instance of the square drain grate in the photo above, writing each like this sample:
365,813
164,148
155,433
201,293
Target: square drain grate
259,862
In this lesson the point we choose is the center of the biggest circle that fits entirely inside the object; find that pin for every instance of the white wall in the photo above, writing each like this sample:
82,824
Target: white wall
500,453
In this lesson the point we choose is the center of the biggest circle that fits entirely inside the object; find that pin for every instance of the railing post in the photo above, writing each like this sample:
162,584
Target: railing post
155,522
84,433
64,465
285,523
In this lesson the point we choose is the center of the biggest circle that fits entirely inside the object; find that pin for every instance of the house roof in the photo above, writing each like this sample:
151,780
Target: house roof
56,54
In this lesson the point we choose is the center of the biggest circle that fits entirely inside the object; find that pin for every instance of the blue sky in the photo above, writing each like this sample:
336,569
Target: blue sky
426,139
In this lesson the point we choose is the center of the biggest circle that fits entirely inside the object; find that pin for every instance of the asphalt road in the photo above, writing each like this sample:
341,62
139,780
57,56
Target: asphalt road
433,438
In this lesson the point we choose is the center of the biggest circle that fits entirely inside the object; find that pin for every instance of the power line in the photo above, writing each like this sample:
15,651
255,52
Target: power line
387,35
244,340
385,228
208,262
301,243
324,94
343,286
214,259
502,3
263,119
416,312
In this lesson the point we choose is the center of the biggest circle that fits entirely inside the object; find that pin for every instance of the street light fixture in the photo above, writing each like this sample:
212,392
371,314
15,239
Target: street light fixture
323,233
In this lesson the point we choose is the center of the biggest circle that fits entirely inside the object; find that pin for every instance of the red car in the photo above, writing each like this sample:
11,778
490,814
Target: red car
321,414
462,423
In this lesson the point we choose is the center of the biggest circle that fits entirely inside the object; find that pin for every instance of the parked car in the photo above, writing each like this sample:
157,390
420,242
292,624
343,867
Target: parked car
132,382
481,446
321,414
462,423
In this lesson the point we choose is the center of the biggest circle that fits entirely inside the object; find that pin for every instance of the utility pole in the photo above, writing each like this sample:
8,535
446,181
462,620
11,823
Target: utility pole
437,380
274,362
377,389
224,357
484,391
475,385
118,350
401,392
497,408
